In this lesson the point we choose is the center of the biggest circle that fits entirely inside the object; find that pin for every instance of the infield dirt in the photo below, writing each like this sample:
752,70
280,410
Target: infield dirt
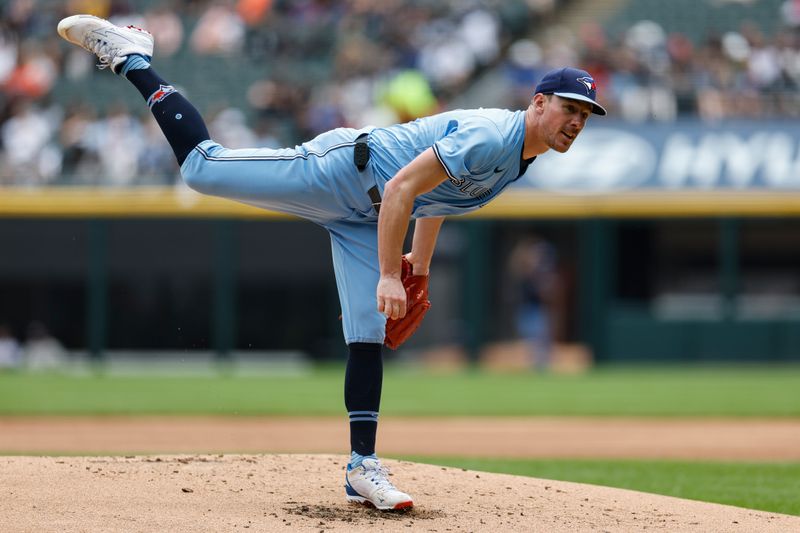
220,493
537,437
216,493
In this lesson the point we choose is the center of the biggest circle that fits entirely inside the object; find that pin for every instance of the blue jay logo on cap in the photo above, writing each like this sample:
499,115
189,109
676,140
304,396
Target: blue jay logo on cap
570,82
588,83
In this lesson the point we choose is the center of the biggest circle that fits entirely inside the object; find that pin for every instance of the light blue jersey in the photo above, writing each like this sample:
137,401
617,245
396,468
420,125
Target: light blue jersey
480,151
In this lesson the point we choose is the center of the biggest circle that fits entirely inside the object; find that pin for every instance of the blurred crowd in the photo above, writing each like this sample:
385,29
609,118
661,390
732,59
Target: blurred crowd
311,65
39,351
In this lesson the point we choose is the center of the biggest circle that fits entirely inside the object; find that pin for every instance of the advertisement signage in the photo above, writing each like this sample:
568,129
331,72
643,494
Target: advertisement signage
612,157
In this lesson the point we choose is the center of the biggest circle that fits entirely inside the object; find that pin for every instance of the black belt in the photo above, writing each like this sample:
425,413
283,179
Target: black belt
360,159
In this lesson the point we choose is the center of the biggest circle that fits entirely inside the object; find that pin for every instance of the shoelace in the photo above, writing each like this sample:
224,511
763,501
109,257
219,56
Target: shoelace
380,476
102,49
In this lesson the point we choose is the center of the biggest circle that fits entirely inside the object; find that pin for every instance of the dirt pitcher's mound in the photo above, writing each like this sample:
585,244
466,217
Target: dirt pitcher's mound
305,493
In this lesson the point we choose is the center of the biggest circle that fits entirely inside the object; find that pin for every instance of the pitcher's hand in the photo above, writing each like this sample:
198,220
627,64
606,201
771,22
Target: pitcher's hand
391,297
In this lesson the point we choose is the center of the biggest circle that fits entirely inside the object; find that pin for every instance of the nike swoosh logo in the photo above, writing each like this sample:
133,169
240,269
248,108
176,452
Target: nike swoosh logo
498,169
108,32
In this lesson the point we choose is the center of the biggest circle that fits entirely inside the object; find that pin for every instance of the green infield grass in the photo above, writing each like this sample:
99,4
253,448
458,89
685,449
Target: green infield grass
764,486
761,391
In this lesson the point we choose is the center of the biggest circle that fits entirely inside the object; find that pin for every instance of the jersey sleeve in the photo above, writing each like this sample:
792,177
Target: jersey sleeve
471,150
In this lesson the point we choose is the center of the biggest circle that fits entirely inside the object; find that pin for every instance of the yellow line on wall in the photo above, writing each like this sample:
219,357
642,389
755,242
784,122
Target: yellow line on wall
651,204
90,202
153,202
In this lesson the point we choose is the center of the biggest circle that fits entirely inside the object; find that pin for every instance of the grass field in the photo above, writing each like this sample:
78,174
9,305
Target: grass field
768,487
743,391
703,391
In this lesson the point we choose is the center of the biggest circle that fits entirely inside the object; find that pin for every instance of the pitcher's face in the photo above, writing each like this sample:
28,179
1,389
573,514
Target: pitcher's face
562,120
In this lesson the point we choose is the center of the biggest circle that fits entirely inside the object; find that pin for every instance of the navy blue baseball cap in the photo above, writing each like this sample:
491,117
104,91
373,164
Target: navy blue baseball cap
572,83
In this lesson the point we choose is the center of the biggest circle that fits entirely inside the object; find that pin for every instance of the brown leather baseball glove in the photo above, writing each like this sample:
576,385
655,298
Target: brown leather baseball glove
417,304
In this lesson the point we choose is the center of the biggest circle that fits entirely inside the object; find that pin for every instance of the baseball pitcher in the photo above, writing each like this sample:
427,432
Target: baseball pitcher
363,186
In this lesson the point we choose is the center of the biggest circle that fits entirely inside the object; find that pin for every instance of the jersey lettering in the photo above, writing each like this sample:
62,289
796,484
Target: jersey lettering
471,188
458,182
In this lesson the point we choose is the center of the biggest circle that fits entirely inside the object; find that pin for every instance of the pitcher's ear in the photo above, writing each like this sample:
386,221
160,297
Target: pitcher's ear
539,101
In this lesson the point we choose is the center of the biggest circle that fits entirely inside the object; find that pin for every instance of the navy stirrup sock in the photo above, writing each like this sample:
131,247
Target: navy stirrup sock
179,120
363,379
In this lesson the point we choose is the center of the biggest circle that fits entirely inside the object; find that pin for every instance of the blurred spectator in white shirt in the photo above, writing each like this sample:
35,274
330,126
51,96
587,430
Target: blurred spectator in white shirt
27,158
41,350
118,143
229,128
10,353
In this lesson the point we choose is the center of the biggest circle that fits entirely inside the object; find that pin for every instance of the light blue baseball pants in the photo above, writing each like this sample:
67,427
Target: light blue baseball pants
318,181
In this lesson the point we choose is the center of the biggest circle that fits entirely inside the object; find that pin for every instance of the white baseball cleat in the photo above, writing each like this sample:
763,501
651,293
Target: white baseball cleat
369,484
111,44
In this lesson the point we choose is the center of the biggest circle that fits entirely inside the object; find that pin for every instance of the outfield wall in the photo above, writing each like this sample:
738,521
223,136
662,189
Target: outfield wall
670,289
